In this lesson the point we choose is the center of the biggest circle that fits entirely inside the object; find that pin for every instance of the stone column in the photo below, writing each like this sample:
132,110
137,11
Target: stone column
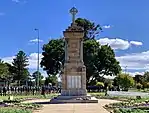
66,46
81,50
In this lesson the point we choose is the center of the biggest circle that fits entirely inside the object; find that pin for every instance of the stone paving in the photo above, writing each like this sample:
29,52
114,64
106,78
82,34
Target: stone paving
75,108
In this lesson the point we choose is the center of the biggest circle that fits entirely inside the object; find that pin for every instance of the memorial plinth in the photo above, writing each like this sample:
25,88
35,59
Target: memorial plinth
74,72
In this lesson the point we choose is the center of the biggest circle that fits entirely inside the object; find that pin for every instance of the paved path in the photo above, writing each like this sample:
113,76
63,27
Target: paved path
74,108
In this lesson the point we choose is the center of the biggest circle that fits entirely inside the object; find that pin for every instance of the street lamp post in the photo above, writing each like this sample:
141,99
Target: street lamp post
37,30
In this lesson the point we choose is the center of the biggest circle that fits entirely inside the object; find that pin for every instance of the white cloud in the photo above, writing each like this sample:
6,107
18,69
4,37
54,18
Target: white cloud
2,14
32,60
36,40
43,73
106,26
135,73
130,73
8,59
135,61
136,43
17,1
109,77
117,43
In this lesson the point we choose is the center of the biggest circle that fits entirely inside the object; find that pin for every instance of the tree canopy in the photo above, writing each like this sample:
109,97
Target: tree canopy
35,76
91,30
142,79
125,81
4,70
51,79
20,63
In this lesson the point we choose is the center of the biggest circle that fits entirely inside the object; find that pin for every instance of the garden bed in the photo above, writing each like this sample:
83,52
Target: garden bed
130,111
15,106
131,106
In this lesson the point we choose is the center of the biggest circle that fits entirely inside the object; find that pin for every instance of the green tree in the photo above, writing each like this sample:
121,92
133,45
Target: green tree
138,78
90,54
139,86
99,60
51,79
35,76
11,70
4,72
146,76
144,80
108,83
20,63
125,81
11,73
53,53
91,30
147,85
115,82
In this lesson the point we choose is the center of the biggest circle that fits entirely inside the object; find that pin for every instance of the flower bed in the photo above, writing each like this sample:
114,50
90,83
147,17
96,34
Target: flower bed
131,106
129,111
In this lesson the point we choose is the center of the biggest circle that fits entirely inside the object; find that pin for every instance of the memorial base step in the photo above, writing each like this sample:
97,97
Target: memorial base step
73,99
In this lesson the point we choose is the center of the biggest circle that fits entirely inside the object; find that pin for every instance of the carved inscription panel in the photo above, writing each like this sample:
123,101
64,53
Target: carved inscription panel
73,82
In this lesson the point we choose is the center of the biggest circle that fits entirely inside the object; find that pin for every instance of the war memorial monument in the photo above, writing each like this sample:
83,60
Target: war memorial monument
74,71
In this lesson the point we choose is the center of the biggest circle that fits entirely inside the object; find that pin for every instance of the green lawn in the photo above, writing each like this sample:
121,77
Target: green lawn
12,110
47,96
146,90
28,96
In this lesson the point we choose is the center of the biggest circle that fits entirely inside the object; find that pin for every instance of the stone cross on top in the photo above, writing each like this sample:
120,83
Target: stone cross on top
73,11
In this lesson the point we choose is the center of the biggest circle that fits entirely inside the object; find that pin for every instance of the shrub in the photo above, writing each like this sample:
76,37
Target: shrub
125,81
12,101
139,86
147,85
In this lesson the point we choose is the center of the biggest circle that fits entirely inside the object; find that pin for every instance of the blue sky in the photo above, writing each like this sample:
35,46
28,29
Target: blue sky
125,23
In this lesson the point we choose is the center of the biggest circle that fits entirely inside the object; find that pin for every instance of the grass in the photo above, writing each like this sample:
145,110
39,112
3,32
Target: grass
97,93
29,96
18,96
48,96
146,90
12,110
17,107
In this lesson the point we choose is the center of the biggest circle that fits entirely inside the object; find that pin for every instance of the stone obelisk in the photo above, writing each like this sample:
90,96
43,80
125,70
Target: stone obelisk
74,73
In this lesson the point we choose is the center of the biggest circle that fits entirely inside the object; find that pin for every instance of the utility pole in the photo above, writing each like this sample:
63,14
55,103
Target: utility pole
37,84
125,69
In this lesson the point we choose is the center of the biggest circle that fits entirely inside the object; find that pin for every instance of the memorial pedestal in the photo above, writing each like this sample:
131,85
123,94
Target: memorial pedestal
73,99
74,92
